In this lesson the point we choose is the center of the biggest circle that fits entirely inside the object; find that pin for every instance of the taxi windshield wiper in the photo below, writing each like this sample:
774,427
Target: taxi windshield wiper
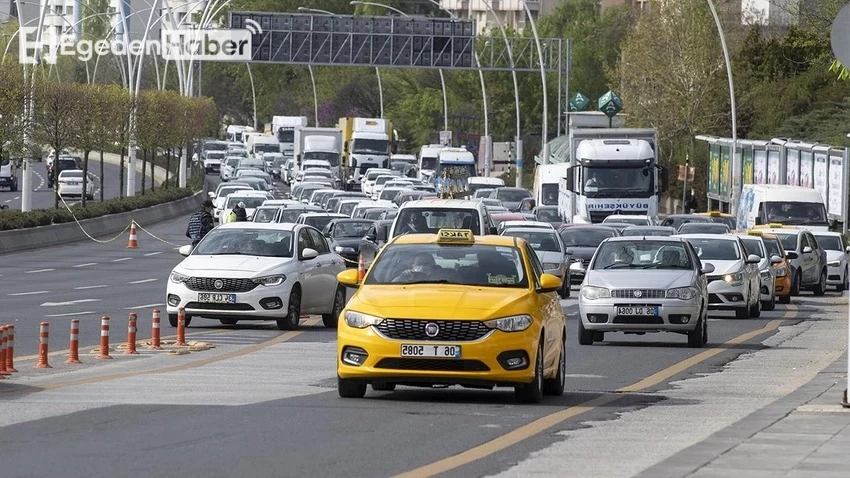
428,281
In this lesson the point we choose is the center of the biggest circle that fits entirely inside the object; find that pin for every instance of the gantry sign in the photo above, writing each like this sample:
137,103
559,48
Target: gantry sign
392,41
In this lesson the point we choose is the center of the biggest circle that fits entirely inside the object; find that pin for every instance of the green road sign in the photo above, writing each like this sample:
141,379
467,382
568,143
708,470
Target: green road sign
578,102
610,103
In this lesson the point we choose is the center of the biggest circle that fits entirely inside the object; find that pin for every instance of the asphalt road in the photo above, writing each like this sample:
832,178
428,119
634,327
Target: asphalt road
269,407
43,196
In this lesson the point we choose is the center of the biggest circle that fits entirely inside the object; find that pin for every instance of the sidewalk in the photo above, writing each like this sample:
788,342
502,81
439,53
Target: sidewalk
804,435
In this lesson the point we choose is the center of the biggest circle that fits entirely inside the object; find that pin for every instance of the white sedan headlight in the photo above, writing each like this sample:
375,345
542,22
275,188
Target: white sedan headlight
270,280
361,321
683,293
340,250
179,278
514,323
833,263
735,279
591,292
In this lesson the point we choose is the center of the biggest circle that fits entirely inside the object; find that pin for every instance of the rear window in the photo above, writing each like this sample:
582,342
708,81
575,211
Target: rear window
753,246
579,237
426,220
789,241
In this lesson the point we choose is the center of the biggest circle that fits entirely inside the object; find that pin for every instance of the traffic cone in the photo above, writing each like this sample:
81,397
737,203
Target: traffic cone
134,242
361,269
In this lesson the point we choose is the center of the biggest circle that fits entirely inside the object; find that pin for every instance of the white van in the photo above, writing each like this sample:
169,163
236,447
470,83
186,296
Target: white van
778,203
430,215
428,160
547,178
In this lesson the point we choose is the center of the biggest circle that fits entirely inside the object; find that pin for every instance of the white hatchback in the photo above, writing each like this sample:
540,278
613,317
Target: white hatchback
71,183
255,271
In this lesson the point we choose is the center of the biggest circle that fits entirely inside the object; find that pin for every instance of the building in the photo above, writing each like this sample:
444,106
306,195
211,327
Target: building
770,12
511,13
6,10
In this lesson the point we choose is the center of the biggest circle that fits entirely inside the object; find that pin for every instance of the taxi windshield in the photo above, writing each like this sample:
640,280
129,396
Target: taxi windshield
473,265
753,247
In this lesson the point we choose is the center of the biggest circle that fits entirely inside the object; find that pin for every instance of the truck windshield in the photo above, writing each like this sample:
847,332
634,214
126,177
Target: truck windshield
549,194
286,135
429,163
330,157
796,213
619,181
370,146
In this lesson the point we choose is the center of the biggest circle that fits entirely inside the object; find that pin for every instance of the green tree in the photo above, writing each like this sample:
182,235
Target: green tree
13,96
84,129
56,111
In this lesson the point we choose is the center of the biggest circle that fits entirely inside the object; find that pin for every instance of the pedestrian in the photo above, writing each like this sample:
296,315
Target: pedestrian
241,212
200,223
691,204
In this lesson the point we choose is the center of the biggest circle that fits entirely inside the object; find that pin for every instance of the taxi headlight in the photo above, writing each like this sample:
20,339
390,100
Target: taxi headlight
781,271
551,265
833,263
340,249
591,292
361,321
270,280
179,278
515,323
735,278
683,293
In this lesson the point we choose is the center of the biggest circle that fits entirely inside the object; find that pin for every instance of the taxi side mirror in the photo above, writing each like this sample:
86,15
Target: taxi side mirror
349,278
549,283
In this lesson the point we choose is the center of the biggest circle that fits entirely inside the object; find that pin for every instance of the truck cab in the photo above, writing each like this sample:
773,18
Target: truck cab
366,144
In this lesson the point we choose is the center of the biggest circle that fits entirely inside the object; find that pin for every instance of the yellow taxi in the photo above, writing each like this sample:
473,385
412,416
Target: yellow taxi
721,217
783,269
453,309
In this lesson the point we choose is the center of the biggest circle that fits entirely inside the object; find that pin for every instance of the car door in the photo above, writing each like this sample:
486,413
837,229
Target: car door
309,270
328,266
550,308
809,259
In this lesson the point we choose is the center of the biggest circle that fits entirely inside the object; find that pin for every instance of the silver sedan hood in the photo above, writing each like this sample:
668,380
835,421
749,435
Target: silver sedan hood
640,278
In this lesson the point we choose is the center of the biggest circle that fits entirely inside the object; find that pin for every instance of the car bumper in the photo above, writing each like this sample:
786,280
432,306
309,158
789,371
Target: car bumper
263,302
723,295
7,181
766,288
212,166
835,275
478,364
601,315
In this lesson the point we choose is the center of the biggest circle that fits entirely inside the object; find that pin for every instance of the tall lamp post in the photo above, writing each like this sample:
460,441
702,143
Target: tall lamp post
544,127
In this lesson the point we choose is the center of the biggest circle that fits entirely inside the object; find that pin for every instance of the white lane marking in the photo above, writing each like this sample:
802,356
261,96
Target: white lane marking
88,312
143,281
8,201
35,292
122,259
584,375
39,270
146,306
41,179
86,264
86,287
17,197
153,254
70,302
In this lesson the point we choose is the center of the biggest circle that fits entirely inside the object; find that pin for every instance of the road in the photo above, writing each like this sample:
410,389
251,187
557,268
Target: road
42,197
263,402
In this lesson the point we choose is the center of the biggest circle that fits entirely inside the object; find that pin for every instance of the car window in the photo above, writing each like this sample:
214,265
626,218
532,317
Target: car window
753,246
304,241
475,265
830,243
639,254
536,267
425,220
716,249
789,241
539,240
319,241
580,237
512,195
772,247
351,229
264,214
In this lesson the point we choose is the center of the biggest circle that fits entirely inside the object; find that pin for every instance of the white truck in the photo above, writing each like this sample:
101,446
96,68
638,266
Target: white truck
428,160
258,145
235,132
366,144
611,170
319,143
547,180
283,127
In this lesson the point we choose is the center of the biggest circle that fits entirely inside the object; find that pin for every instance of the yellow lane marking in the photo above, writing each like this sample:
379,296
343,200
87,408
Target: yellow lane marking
546,422
183,366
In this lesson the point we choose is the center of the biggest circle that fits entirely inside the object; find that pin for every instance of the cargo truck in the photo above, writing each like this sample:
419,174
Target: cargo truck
284,128
366,143
319,143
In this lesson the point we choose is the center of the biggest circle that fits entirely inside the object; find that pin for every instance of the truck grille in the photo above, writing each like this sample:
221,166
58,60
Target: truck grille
638,293
450,330
208,284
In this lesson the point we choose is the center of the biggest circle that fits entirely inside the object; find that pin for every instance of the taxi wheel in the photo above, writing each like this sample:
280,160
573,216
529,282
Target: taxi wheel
330,320
699,336
565,289
770,304
533,392
785,299
795,287
350,388
293,312
555,386
585,337
820,289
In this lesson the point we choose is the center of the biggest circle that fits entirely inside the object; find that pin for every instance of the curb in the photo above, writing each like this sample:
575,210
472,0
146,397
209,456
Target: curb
55,234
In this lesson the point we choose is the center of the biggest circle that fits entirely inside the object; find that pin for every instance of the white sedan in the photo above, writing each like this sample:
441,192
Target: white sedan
71,183
255,271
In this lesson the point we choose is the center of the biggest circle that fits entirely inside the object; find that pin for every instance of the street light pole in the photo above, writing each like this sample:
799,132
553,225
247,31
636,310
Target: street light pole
544,154
380,91
253,93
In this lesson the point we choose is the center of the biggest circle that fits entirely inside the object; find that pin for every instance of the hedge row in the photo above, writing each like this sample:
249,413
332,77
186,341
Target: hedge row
44,217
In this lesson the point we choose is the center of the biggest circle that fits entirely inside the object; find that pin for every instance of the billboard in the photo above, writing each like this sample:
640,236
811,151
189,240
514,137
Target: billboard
773,167
835,203
760,166
714,169
725,172
806,174
747,163
792,167
820,171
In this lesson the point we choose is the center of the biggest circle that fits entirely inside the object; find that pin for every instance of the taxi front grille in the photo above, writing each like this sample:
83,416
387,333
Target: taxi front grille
638,293
208,284
449,330
436,365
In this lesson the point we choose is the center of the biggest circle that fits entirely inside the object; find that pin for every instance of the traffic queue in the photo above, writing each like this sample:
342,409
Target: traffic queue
466,291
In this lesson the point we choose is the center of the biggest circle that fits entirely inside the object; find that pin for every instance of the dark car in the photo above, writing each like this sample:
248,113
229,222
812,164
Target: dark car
345,236
676,220
548,214
511,197
374,240
330,202
581,242
649,231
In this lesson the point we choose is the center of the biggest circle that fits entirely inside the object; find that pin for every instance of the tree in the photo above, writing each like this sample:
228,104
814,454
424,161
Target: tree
56,111
85,130
13,122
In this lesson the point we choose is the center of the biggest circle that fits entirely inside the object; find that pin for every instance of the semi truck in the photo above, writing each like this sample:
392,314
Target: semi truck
319,143
611,170
284,128
367,143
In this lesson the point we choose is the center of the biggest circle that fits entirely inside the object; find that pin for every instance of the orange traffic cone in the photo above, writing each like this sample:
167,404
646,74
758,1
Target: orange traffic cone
361,269
134,242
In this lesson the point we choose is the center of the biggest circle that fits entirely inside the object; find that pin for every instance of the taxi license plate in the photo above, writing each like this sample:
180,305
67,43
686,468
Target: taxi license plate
443,351
637,311
217,298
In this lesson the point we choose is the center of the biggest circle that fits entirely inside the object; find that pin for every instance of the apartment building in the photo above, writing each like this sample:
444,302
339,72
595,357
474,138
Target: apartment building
511,13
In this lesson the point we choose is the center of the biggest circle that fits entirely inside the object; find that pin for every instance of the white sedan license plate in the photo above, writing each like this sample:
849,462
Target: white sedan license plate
639,311
217,298
444,351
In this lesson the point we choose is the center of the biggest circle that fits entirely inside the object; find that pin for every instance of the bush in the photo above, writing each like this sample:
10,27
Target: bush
43,217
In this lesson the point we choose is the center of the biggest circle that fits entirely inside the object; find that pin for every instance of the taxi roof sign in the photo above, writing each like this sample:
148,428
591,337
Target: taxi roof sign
756,233
455,236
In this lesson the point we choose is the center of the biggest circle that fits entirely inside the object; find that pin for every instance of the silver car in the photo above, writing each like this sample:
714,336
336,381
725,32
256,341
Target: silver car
767,274
550,249
644,284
